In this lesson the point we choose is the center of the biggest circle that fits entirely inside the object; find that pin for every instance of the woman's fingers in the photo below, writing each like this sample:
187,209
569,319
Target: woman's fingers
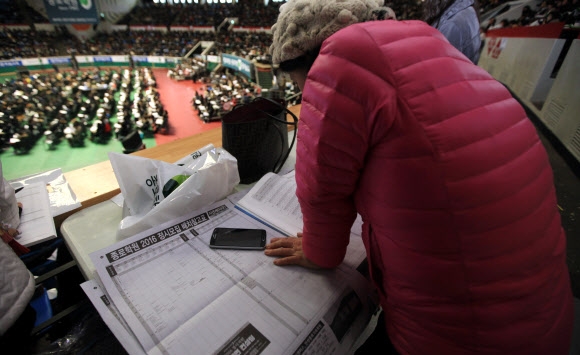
290,260
280,252
281,243
290,252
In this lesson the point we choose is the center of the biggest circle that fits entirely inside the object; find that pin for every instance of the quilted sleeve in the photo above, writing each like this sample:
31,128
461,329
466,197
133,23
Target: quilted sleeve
16,287
335,134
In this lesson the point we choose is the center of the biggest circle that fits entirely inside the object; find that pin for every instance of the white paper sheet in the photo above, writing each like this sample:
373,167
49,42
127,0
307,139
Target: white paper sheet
36,222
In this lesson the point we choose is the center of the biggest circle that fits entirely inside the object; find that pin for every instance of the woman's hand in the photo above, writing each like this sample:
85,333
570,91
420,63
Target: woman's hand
290,251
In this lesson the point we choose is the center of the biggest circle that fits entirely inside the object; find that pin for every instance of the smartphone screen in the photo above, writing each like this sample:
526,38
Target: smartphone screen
238,238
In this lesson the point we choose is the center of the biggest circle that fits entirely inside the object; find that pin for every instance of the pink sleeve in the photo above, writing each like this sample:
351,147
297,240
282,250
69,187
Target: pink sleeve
329,158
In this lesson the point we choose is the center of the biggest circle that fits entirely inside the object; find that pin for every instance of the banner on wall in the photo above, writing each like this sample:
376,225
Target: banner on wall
56,60
116,28
83,59
174,60
67,12
495,46
31,62
156,60
103,59
252,29
237,63
140,59
10,63
120,58
192,28
44,27
148,28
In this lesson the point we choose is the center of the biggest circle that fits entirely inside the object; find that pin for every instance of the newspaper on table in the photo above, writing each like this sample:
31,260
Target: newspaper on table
177,295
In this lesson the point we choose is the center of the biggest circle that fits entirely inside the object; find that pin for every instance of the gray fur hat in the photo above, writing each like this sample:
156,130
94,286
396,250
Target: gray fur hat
303,25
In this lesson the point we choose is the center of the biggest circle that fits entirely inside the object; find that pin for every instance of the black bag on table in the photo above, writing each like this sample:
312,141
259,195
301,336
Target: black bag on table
256,134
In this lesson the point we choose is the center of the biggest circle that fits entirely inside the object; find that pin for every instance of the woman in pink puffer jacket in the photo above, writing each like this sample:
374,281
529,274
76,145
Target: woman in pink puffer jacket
461,225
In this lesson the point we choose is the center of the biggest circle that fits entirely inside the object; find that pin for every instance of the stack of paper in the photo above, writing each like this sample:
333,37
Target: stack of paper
36,222
164,291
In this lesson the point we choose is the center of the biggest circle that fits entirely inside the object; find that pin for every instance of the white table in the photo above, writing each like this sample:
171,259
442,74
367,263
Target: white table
89,230
95,227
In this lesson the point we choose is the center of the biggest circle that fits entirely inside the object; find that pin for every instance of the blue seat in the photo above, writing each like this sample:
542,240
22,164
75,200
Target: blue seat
42,306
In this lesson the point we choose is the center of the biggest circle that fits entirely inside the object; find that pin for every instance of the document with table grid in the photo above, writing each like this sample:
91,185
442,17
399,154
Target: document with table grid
177,295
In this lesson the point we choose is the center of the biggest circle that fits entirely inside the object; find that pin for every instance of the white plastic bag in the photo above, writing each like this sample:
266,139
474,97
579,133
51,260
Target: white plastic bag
201,178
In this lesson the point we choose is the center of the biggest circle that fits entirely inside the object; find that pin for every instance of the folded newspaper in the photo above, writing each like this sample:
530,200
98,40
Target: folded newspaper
164,291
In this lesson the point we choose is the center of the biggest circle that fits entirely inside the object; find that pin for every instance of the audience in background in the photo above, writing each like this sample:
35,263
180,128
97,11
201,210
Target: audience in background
73,105
28,44
252,45
32,44
222,91
250,14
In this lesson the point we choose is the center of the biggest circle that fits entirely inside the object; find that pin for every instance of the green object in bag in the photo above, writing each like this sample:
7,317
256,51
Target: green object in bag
173,183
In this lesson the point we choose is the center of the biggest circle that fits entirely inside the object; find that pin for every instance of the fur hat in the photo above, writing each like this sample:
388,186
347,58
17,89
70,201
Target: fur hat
303,25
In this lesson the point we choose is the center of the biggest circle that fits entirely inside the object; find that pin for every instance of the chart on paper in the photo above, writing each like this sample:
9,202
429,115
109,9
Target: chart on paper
167,284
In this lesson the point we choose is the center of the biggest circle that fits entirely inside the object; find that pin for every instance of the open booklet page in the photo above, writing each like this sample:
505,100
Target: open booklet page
177,295
273,200
36,222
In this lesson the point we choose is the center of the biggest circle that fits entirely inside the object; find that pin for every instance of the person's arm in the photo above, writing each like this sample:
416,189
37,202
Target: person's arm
454,34
330,155
337,122
463,33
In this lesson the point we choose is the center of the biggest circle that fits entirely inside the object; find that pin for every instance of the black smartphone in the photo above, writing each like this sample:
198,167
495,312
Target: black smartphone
238,238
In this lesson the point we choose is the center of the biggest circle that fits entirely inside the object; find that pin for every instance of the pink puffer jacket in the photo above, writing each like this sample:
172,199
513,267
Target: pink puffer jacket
461,225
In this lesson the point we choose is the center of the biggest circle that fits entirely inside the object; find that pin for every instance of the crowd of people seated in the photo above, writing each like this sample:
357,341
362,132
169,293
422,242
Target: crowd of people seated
154,43
250,45
253,13
222,91
75,105
26,44
548,11
250,13
146,112
189,69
